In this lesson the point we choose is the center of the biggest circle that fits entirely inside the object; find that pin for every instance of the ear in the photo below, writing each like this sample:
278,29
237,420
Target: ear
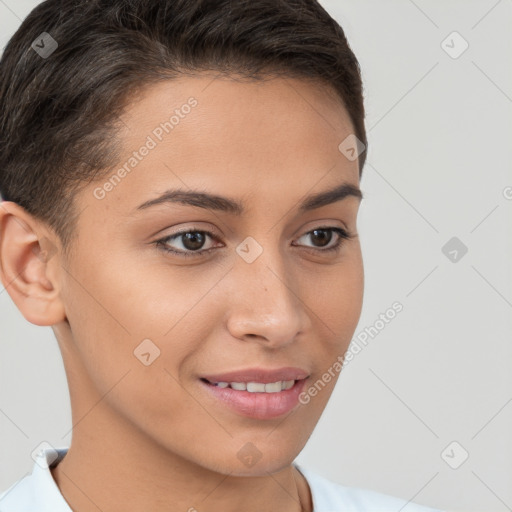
29,265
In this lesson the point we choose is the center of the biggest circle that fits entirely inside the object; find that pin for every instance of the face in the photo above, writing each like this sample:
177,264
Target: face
159,296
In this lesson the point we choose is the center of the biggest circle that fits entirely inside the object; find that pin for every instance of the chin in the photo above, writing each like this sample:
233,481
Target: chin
255,459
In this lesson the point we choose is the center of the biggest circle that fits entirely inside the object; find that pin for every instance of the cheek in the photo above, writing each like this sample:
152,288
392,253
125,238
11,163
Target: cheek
336,310
118,318
120,310
337,297
131,300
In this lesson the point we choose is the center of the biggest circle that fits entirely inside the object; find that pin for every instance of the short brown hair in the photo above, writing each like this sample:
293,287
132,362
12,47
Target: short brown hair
59,114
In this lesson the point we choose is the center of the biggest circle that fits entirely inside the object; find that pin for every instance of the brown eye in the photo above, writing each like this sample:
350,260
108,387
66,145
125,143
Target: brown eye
193,240
192,243
323,236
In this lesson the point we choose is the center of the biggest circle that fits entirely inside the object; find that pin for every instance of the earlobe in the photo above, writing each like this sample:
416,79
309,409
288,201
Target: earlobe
28,264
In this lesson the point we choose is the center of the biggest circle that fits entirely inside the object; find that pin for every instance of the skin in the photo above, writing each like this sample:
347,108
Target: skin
152,432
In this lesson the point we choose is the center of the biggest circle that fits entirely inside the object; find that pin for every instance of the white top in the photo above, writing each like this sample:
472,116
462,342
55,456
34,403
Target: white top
38,492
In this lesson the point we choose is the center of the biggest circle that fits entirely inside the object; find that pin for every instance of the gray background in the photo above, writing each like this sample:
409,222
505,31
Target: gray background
438,167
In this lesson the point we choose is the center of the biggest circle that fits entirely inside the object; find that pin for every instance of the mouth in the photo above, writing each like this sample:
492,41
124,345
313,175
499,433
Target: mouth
257,400
255,387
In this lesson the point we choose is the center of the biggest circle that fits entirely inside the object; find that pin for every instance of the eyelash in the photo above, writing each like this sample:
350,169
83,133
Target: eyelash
161,244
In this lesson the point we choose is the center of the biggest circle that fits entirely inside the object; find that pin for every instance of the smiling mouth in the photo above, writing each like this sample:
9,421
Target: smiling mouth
257,400
255,387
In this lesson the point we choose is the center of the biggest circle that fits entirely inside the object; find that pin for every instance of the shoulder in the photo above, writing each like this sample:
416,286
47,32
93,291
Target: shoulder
329,496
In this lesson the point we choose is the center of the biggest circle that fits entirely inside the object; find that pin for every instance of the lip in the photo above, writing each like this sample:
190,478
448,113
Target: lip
260,406
262,375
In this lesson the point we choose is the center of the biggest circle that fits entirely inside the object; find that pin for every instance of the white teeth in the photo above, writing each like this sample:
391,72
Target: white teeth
287,384
258,387
273,387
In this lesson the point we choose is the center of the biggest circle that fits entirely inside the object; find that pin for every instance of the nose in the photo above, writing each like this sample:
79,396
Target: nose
266,305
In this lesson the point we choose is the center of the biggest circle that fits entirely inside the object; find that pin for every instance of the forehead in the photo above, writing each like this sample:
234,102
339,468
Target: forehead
230,136
236,96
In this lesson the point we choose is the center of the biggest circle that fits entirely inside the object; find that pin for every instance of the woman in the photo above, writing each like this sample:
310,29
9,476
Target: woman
184,218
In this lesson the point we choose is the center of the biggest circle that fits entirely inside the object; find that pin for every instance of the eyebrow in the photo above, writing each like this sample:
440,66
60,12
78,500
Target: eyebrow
224,204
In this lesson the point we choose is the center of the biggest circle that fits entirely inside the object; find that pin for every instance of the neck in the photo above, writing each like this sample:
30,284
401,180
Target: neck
99,472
